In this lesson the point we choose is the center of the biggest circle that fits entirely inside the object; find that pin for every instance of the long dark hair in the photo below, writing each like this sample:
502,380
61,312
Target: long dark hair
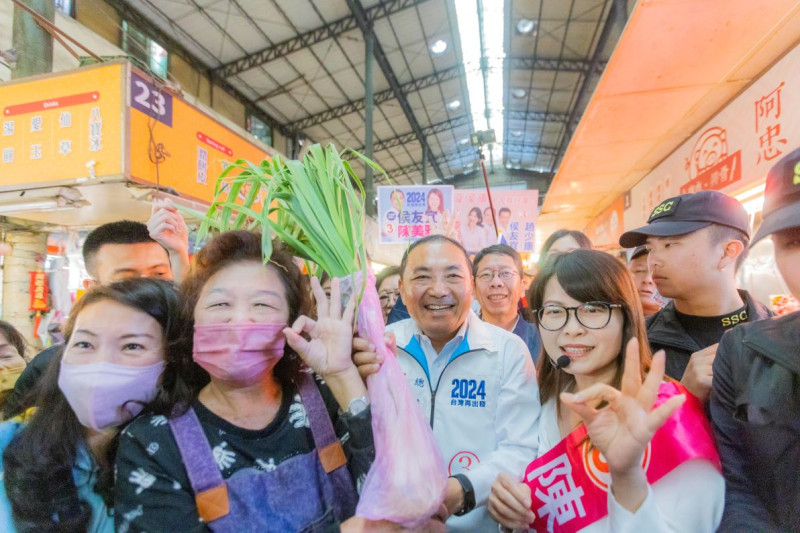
15,338
583,241
591,276
39,460
183,378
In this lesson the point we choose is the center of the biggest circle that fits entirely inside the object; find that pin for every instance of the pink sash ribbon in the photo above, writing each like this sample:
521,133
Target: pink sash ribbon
569,483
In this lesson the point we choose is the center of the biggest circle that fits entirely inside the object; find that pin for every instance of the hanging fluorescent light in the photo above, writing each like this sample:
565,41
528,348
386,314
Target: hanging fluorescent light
493,54
48,199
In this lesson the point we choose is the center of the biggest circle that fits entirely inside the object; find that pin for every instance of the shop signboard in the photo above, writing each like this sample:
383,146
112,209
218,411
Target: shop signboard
177,145
605,230
409,212
733,150
515,213
62,127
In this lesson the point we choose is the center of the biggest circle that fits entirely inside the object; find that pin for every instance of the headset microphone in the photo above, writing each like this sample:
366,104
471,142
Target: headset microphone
563,361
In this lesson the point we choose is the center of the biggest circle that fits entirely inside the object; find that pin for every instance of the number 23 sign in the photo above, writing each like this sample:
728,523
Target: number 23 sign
151,100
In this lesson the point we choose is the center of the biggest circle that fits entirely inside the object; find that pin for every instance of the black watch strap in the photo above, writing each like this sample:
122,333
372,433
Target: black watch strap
469,494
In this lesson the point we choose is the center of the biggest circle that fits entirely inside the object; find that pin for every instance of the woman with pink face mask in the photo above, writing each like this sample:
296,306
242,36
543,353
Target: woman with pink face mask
266,424
57,462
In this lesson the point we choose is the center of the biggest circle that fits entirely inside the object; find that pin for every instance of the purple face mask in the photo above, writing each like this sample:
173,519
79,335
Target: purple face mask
105,394
238,353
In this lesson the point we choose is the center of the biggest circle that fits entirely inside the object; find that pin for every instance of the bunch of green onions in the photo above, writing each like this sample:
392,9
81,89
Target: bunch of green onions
315,206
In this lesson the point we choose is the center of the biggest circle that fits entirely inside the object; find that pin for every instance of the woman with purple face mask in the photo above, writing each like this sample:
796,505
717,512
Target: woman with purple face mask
248,439
57,462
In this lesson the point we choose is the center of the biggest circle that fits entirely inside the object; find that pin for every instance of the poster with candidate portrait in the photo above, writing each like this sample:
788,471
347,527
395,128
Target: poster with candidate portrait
515,213
408,213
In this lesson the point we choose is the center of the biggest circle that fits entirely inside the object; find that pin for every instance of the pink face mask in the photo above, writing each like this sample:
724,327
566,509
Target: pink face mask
105,394
238,353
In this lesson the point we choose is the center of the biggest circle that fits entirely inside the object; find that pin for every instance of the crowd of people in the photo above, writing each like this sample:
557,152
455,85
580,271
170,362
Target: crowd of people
229,394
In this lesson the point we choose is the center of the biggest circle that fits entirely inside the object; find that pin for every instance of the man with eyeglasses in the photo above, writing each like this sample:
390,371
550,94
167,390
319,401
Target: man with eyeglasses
498,288
476,382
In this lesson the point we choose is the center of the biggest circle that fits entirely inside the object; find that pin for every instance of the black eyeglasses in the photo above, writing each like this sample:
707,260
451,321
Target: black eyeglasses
593,315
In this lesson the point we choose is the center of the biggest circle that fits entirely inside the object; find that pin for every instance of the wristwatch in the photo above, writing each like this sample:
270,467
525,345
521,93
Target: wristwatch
357,406
469,494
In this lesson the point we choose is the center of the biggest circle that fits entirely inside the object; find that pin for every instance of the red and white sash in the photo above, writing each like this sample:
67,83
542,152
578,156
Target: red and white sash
569,483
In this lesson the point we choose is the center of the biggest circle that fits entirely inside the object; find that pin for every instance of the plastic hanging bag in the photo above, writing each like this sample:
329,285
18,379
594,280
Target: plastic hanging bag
407,482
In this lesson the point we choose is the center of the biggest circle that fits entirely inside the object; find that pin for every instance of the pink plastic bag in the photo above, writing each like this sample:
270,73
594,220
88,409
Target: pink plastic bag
406,484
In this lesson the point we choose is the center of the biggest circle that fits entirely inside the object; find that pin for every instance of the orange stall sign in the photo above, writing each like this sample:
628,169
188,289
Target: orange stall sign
62,127
176,144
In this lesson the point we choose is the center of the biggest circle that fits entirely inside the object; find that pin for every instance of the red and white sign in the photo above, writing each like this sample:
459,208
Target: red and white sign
214,144
733,150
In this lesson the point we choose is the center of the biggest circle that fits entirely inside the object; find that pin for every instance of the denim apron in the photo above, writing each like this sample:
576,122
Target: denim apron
305,493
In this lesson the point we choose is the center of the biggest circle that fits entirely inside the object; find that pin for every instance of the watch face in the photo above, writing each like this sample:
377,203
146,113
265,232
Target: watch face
357,406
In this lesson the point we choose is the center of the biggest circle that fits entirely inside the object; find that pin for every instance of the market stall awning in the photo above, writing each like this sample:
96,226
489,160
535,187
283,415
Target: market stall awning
677,63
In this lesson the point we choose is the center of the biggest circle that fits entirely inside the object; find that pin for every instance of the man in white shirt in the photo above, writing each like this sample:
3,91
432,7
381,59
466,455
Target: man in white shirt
475,381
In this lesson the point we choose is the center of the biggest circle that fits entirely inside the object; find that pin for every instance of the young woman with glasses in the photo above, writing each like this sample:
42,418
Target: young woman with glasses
619,449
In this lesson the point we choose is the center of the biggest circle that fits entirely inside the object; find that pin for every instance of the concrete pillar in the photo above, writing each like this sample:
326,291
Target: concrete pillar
26,248
34,46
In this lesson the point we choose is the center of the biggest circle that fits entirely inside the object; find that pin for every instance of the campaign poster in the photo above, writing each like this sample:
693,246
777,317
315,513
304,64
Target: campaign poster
409,212
515,213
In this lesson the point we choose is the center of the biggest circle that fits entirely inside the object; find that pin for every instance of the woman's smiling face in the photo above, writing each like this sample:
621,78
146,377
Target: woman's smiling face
592,352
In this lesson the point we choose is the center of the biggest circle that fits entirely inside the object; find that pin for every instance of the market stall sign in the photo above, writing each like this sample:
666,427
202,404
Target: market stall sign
62,127
177,145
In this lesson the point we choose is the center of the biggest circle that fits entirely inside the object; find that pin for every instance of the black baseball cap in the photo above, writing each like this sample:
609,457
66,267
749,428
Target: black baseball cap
639,251
687,213
781,197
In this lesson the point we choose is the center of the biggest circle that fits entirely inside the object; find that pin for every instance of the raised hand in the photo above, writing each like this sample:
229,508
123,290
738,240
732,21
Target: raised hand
622,429
167,228
328,352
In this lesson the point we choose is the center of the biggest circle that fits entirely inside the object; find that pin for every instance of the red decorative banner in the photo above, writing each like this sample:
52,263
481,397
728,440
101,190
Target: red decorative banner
38,290
570,483
42,105
214,144
728,170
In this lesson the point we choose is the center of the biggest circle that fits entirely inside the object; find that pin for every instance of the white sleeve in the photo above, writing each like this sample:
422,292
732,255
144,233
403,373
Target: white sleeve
690,498
516,421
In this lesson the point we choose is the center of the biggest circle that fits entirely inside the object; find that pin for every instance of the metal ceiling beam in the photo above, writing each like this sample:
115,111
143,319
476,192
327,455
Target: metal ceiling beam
388,73
415,167
312,37
574,115
536,116
527,148
128,12
561,65
423,83
381,97
406,138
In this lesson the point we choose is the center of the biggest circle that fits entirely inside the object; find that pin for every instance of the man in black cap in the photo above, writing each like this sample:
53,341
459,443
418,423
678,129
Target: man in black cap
696,243
755,399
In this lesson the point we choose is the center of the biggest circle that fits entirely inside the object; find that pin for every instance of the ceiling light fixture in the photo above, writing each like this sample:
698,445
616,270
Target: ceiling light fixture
464,141
518,93
439,47
517,133
525,26
485,95
455,104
